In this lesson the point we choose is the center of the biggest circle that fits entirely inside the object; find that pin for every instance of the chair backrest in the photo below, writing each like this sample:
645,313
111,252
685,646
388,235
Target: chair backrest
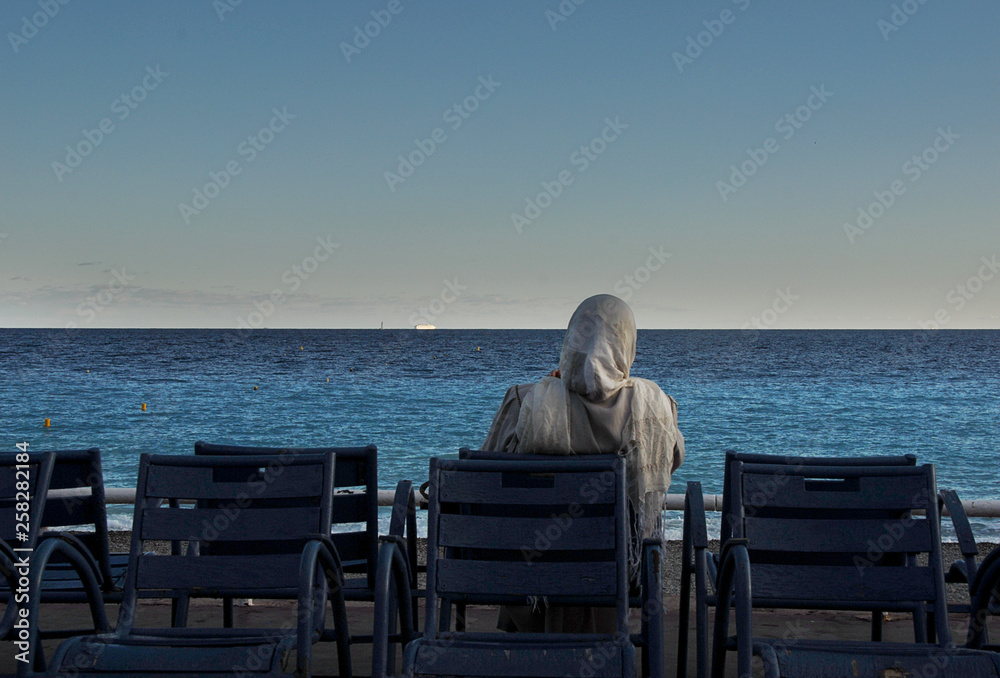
356,469
24,479
841,537
796,461
81,470
565,541
278,500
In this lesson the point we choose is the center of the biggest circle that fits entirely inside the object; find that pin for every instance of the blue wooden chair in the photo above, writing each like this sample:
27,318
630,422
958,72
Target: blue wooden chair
482,552
283,502
354,520
645,594
61,569
76,500
701,566
837,538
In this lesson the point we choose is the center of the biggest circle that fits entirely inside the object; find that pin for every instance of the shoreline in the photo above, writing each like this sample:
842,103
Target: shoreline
671,560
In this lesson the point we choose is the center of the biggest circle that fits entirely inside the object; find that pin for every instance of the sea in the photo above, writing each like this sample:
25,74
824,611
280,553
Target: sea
420,394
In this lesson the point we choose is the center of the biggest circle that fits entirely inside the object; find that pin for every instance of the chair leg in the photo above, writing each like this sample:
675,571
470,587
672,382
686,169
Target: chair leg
683,614
877,626
701,617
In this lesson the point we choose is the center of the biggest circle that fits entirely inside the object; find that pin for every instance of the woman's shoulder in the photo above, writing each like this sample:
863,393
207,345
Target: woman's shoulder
650,390
516,394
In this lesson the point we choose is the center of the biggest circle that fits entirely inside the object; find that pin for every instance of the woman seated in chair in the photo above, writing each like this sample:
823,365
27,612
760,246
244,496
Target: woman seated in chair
590,405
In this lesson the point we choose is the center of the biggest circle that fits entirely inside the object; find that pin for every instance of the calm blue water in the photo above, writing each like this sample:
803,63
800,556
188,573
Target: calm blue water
420,394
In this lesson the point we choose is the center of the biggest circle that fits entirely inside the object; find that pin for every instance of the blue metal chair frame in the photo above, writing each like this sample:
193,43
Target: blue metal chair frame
645,595
62,568
284,501
699,563
357,467
480,552
795,546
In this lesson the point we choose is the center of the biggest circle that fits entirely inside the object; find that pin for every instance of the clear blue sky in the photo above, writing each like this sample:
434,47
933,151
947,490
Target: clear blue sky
111,233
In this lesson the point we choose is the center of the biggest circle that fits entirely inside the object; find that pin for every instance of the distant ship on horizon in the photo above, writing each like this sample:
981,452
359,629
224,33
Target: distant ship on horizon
424,327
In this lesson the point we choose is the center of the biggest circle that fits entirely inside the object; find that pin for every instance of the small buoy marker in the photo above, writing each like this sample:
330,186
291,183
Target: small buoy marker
144,407
478,349
88,371
302,348
255,388
48,423
328,378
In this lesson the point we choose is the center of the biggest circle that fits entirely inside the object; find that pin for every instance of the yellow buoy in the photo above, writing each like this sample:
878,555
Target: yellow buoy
302,348
88,371
328,378
255,388
144,407
48,422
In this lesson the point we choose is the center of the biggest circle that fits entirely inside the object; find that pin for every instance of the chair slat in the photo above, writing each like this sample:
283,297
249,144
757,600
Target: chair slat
352,546
533,659
202,573
502,487
838,586
229,524
910,535
560,533
526,578
199,483
778,491
221,658
350,508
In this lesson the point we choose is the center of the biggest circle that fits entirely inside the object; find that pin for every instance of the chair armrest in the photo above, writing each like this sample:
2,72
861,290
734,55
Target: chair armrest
84,566
985,600
693,556
966,540
75,542
734,592
694,512
403,523
392,584
320,554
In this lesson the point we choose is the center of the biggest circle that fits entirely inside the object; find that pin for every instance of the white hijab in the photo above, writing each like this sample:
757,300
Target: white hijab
595,407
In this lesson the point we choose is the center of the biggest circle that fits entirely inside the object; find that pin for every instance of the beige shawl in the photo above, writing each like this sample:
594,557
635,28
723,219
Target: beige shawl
596,408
